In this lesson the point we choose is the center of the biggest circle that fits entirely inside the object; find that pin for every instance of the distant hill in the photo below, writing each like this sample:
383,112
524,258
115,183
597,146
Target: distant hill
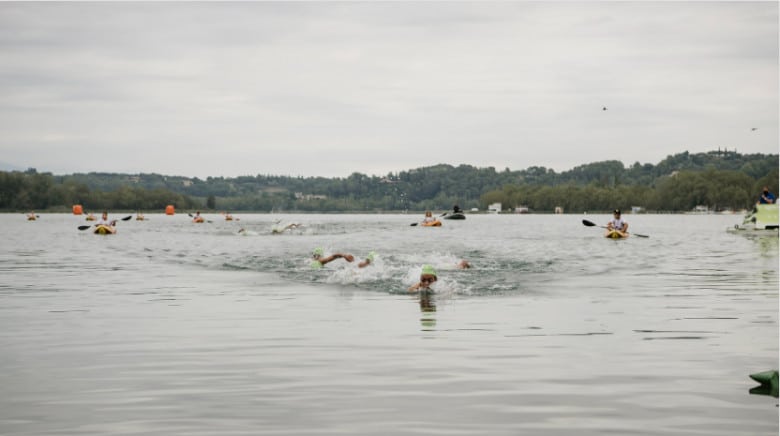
718,179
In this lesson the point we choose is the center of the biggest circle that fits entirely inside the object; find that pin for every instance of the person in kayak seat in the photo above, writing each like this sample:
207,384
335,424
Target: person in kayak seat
617,223
103,221
428,217
766,197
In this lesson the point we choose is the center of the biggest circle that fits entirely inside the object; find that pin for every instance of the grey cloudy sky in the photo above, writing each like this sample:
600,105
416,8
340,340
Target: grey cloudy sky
327,88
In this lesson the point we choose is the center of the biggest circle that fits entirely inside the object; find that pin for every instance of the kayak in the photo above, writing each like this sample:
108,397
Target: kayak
436,223
615,234
769,382
455,216
198,220
104,230
761,217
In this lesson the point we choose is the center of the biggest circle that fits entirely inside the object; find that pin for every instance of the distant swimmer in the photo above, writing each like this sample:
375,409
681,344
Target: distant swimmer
753,129
604,108
278,230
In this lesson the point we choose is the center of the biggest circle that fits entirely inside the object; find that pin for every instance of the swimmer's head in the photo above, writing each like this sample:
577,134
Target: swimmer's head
428,275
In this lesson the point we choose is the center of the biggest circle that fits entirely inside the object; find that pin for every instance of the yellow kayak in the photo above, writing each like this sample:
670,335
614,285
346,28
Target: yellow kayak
615,234
104,230
436,223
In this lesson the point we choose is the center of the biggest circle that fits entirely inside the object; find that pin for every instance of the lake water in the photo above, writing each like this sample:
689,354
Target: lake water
175,328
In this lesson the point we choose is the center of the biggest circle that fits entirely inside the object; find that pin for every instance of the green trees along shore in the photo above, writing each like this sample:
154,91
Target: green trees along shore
719,180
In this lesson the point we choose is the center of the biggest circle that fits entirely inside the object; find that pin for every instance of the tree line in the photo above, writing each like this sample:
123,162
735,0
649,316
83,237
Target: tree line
718,180
30,190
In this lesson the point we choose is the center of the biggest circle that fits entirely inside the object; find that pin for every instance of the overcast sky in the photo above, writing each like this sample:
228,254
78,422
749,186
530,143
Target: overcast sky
328,89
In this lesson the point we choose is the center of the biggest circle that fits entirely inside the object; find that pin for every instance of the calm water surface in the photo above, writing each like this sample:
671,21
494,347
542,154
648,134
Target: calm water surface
175,328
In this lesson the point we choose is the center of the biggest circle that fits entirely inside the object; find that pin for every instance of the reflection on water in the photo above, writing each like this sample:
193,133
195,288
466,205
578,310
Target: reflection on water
428,310
173,328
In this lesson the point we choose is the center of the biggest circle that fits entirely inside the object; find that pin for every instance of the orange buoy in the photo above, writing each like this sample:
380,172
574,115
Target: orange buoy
169,210
77,210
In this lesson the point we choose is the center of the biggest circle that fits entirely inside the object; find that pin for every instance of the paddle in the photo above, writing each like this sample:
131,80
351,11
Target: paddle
113,223
86,227
592,224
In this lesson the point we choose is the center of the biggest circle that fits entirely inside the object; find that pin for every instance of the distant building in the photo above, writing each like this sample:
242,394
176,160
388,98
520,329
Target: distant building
494,208
307,197
521,209
558,210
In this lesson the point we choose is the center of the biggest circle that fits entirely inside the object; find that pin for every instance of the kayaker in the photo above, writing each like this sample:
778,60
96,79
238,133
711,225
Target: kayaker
456,209
427,278
103,221
318,259
766,197
617,223
428,217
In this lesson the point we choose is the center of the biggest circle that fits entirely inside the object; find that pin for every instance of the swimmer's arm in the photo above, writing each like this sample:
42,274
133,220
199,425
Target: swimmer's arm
347,257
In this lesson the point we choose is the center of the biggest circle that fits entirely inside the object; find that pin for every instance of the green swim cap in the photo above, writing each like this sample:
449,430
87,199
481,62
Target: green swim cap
371,256
428,269
317,252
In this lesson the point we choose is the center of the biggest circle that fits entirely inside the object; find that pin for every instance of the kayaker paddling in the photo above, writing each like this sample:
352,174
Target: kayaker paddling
617,225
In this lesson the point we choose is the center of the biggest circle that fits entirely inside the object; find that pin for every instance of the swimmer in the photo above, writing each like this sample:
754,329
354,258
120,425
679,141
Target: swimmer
369,259
427,278
279,230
